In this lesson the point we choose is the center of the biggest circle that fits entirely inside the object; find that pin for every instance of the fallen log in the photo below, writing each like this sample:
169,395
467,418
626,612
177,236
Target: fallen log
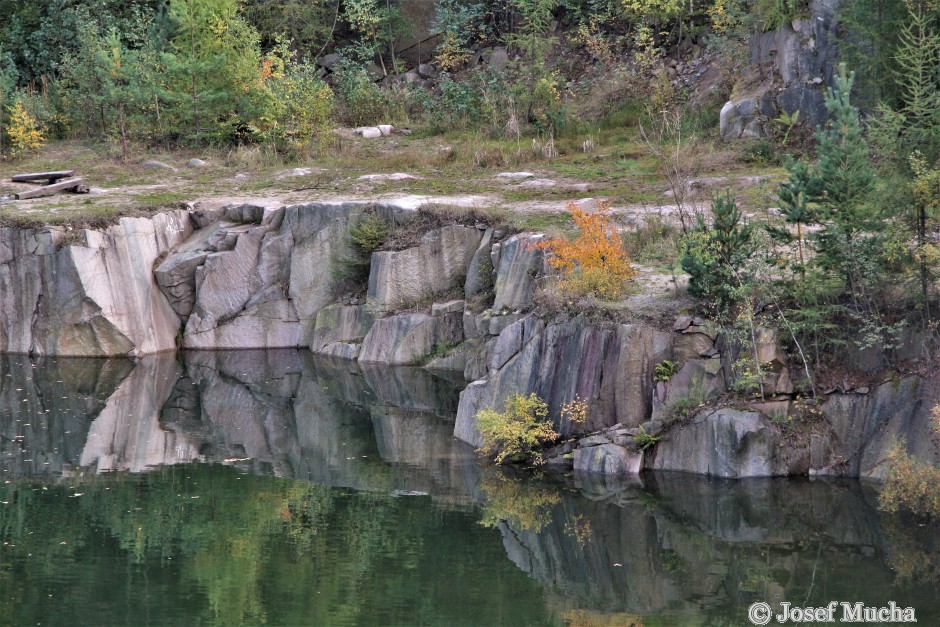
42,176
49,190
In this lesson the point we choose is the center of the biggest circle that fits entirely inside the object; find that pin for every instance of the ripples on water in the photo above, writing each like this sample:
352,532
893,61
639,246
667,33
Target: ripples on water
270,487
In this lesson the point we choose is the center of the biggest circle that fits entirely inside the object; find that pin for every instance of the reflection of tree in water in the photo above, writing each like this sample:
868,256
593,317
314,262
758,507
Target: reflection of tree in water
580,617
214,545
913,549
524,505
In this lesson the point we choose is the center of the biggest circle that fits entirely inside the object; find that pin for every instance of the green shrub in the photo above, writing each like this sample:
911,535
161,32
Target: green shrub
365,235
460,103
761,152
665,370
303,103
369,232
361,100
461,24
645,440
517,432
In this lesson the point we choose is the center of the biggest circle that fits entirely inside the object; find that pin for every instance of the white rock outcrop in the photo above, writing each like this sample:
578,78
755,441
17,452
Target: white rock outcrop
88,293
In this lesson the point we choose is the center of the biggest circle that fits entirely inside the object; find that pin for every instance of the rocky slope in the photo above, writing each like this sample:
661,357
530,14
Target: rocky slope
248,276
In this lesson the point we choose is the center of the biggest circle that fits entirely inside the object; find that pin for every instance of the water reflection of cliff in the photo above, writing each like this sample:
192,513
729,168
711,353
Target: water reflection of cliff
281,412
674,546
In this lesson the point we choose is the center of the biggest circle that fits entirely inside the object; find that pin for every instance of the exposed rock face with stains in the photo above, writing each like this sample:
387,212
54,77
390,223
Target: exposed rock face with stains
248,276
88,293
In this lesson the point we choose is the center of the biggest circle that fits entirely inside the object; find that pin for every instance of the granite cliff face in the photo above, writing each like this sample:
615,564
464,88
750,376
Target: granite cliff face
792,65
88,293
248,276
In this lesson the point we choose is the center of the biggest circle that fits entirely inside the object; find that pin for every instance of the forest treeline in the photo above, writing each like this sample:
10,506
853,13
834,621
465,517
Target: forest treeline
228,71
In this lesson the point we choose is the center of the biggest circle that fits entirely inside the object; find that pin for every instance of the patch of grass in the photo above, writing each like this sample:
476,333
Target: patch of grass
440,349
680,409
560,223
656,241
430,217
161,199
443,349
626,115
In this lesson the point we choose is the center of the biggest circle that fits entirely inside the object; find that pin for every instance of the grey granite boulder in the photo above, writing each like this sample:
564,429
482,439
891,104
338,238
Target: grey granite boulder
409,338
610,369
93,297
519,263
608,459
438,264
451,306
339,323
473,398
480,270
740,119
177,280
723,443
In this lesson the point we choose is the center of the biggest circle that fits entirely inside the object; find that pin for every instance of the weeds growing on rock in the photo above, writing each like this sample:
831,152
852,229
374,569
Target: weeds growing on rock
645,440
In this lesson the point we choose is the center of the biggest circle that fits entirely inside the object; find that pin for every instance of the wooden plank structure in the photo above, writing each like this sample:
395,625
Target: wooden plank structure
42,176
74,184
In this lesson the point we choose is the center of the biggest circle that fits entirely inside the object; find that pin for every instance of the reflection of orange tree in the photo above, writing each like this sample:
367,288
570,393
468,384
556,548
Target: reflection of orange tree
523,505
595,262
579,528
911,487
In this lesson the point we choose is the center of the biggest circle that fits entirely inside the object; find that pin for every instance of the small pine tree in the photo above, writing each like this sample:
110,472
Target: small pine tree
926,197
716,257
918,59
841,275
118,68
840,190
214,65
794,197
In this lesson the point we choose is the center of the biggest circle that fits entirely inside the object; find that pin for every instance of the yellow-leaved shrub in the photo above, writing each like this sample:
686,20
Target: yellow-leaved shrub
24,131
517,432
596,261
911,485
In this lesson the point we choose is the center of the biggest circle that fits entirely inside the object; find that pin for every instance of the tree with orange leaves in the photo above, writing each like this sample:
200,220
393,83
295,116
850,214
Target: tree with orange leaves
595,262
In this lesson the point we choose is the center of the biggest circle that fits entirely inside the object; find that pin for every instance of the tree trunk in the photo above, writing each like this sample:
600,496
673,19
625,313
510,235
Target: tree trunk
122,125
924,273
192,59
